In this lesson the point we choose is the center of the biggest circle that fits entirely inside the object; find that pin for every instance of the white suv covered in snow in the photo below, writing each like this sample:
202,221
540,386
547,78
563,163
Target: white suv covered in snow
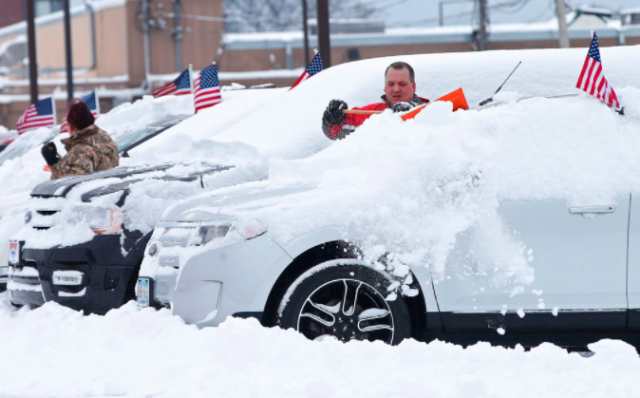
209,263
515,224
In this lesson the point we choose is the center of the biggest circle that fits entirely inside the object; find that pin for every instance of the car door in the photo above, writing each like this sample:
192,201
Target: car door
634,264
579,258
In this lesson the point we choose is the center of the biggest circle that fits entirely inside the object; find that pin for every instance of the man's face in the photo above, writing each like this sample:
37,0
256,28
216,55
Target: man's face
398,86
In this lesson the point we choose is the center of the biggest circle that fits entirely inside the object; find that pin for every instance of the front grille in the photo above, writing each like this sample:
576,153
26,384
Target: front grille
44,215
47,212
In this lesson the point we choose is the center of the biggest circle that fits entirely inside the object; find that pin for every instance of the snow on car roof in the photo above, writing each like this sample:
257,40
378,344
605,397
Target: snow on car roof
291,126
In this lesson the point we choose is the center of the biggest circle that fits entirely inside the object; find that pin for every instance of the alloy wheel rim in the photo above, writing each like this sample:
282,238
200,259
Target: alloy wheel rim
346,309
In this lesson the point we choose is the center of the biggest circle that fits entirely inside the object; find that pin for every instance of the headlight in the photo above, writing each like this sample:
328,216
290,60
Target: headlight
101,220
209,233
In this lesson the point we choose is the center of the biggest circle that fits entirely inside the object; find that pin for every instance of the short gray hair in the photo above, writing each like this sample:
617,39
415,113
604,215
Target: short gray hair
402,65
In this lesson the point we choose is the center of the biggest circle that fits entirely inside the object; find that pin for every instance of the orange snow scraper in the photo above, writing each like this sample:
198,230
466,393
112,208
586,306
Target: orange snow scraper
456,97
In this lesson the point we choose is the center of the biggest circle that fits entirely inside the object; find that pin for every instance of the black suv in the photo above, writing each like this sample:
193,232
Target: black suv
97,275
100,274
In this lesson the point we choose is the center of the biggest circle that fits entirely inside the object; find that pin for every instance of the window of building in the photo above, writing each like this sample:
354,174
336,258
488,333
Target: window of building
44,7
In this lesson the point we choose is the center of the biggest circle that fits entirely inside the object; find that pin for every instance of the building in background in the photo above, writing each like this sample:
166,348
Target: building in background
109,52
12,12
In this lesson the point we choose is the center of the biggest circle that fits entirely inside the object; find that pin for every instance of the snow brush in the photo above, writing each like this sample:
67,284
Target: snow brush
456,97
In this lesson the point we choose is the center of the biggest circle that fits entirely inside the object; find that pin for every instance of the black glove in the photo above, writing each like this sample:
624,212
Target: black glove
333,114
402,106
50,153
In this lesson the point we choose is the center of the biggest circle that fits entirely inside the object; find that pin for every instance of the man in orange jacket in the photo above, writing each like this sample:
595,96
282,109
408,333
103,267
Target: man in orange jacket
399,95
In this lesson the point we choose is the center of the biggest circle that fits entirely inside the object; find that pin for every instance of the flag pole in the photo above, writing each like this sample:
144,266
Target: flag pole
53,108
193,89
95,90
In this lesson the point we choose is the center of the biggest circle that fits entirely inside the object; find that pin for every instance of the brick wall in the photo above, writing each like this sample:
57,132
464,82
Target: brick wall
11,11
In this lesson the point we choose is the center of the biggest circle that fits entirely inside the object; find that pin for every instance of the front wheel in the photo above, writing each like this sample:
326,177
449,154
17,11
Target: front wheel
345,302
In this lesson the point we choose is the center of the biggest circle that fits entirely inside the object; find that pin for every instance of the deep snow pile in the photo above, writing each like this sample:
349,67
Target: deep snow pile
409,188
56,352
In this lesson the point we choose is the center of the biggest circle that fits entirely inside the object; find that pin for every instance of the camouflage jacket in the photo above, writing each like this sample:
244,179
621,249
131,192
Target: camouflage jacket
88,151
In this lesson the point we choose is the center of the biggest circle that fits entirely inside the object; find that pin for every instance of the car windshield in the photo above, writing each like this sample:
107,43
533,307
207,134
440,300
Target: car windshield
25,142
128,139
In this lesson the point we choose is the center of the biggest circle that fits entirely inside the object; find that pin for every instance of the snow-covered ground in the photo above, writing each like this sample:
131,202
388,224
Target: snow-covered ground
531,149
56,352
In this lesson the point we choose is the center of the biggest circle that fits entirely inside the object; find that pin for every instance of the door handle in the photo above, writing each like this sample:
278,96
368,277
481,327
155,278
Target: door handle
592,209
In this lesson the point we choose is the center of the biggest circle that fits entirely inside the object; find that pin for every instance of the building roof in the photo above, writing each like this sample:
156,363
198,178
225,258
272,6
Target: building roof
447,34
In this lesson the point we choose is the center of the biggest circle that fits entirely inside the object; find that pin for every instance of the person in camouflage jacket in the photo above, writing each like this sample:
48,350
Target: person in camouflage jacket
89,149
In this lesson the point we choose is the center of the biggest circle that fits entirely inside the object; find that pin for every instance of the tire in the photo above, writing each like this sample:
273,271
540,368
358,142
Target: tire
315,306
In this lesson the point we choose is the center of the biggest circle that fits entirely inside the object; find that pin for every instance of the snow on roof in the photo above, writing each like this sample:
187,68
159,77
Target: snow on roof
226,76
63,81
633,10
445,34
589,9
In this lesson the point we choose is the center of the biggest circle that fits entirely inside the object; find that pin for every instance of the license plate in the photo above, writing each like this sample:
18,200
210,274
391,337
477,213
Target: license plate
142,292
14,252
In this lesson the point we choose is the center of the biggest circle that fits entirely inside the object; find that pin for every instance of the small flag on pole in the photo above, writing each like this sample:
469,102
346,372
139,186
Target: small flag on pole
315,66
180,86
207,88
592,80
40,114
92,102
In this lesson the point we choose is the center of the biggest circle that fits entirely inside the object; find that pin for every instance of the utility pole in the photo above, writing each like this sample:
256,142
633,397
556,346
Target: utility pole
67,46
145,41
177,32
306,32
482,32
31,42
562,24
323,33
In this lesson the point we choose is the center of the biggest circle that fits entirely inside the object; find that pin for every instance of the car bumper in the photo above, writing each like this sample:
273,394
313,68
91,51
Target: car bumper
93,277
4,278
25,290
233,280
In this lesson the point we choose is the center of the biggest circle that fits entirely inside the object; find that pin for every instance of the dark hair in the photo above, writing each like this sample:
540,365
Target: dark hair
402,65
79,116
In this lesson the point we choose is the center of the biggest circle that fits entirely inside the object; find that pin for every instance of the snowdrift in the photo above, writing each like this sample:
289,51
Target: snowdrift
133,353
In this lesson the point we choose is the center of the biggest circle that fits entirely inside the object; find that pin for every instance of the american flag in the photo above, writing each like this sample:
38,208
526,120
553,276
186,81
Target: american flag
207,88
592,80
40,114
92,102
315,66
180,86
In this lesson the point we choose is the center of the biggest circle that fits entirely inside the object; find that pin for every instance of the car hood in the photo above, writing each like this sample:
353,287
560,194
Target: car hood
120,178
219,204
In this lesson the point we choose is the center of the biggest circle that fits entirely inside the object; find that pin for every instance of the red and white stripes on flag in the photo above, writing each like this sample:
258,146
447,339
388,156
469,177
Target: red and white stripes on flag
180,86
40,114
592,80
207,88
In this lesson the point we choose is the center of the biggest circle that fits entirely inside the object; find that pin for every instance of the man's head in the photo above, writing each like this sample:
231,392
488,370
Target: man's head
399,83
